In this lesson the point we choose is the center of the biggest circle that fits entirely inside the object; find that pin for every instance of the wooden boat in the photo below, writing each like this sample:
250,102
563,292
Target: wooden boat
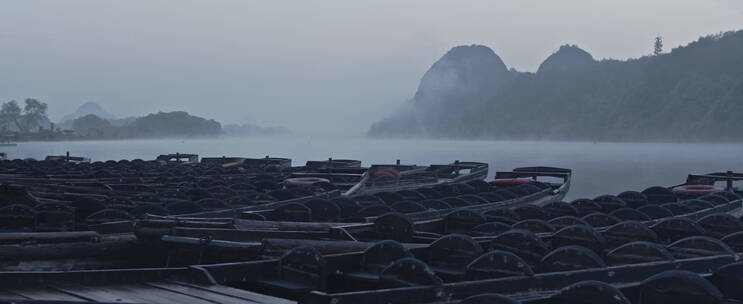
386,178
454,201
67,158
178,158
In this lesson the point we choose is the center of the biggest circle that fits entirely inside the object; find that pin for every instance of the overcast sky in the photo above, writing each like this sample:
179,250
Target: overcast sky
323,67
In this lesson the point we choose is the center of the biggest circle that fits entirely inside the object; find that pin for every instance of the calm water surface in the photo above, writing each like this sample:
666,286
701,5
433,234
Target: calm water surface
599,168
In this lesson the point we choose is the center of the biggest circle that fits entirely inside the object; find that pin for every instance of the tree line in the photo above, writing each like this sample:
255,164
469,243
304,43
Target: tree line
32,117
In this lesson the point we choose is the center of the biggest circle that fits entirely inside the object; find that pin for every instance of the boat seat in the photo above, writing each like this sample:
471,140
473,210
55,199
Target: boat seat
599,219
85,206
678,208
503,212
655,211
633,199
473,199
490,229
462,221
569,258
408,207
449,255
455,202
728,279
730,196
593,292
183,207
627,232
480,186
564,221
408,272
715,199
579,235
322,210
393,226
719,225
586,206
374,210
678,286
610,203
734,240
523,243
375,259
497,264
638,252
389,198
434,204
492,197
673,229
507,194
55,217
464,188
698,205
527,212
489,298
659,195
428,193
300,270
17,218
212,204
348,206
368,200
107,215
282,194
628,214
293,212
558,209
534,225
411,195
698,246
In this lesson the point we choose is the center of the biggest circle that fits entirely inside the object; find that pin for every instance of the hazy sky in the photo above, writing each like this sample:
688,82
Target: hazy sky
313,66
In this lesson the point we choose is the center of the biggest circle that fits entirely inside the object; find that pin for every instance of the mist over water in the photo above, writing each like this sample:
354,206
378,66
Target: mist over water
599,168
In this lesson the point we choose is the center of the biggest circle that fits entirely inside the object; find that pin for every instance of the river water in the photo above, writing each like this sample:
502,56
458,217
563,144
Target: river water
599,168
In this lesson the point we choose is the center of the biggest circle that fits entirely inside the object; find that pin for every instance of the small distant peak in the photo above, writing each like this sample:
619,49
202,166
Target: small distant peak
568,58
88,108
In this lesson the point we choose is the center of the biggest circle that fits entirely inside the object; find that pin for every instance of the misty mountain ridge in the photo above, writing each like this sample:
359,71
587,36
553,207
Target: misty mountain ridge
693,93
88,108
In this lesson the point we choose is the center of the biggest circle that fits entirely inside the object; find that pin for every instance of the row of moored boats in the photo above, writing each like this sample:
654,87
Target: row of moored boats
179,229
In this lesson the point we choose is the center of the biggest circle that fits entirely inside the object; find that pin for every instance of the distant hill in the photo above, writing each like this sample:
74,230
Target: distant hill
693,93
158,125
89,108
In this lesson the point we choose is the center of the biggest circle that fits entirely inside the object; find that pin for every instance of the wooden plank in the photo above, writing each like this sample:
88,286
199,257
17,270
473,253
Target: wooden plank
46,294
95,294
7,294
239,293
149,294
199,293
53,237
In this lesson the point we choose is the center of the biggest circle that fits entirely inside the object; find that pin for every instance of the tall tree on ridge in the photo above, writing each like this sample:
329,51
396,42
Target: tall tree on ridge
658,45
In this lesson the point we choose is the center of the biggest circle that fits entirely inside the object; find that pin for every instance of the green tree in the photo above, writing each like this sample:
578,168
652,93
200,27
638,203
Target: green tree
658,45
34,113
92,125
10,113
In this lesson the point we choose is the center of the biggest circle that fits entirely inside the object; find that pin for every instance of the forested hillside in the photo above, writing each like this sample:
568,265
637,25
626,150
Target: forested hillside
693,93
